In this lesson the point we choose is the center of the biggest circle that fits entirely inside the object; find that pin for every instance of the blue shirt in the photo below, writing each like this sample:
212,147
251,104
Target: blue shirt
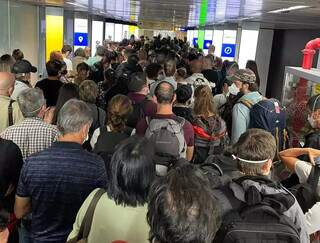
241,115
58,180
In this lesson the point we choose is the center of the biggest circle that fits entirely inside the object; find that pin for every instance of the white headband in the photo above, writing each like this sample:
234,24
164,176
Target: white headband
250,161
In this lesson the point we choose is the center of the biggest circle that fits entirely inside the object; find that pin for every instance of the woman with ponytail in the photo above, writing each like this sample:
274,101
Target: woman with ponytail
210,130
106,138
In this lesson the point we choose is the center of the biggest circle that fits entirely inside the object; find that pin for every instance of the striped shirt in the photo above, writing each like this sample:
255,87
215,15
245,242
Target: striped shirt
32,135
58,180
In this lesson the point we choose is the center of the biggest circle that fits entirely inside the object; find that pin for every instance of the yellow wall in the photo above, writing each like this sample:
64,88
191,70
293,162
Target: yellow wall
54,34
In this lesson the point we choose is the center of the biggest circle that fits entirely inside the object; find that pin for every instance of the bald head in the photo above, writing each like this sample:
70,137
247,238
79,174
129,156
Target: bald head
6,83
164,93
56,56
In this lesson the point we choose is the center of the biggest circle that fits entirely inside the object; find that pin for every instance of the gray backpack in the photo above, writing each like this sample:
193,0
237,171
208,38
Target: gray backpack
168,137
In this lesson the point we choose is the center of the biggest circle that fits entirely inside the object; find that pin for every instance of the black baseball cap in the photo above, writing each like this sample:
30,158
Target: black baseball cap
23,66
137,82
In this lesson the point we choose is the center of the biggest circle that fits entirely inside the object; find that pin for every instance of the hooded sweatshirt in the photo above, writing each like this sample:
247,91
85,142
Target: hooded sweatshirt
294,212
241,115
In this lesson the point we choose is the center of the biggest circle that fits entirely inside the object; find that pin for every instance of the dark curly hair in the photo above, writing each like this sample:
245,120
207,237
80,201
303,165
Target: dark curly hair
182,208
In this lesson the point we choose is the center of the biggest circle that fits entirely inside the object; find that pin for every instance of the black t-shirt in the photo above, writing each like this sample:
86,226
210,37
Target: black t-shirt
10,166
184,112
107,143
50,90
213,76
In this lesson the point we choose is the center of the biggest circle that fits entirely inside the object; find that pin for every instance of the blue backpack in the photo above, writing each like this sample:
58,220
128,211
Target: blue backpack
270,115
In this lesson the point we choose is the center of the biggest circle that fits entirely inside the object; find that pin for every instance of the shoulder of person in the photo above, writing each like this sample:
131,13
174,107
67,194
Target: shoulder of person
94,157
7,144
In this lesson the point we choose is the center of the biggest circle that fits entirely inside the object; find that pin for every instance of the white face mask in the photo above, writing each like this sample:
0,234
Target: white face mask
311,121
233,89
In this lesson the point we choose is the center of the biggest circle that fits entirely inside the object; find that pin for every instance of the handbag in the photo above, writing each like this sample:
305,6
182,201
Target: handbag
85,227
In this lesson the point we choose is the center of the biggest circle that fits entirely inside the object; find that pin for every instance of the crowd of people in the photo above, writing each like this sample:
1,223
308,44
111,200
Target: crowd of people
150,141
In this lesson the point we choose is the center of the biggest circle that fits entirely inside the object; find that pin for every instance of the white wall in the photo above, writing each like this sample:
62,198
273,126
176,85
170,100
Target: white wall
19,29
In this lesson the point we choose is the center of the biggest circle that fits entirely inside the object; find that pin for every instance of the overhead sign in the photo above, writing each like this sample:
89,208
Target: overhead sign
228,50
195,41
207,44
80,39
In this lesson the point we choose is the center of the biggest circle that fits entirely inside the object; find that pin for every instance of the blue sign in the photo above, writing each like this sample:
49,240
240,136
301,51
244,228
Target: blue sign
80,39
228,50
207,44
195,41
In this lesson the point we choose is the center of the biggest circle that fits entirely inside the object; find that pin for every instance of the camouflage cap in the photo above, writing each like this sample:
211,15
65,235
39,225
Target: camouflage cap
243,75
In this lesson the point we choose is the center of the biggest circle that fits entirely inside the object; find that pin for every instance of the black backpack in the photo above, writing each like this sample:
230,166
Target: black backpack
306,193
259,220
270,115
137,114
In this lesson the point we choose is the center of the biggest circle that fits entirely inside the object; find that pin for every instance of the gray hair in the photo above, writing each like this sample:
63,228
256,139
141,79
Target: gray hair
31,101
100,51
73,115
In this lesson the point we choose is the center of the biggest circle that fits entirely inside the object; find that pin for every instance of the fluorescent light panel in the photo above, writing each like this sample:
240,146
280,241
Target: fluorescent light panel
289,9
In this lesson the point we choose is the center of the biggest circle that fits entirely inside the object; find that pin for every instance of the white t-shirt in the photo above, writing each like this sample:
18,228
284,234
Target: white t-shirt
219,100
198,79
312,217
18,88
68,63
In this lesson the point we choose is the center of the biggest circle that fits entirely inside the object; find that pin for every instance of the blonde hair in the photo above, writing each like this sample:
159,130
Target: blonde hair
88,91
119,108
203,103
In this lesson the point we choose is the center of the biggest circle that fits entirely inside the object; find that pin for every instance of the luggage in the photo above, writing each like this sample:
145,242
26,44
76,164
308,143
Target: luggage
269,115
258,220
209,142
306,193
168,138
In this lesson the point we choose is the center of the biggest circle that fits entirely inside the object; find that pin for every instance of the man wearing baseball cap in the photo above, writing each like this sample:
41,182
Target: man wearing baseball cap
245,80
22,70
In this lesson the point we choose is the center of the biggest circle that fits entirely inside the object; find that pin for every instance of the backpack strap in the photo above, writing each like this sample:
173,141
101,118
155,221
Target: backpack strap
259,179
148,119
88,217
313,178
246,103
98,111
180,120
10,112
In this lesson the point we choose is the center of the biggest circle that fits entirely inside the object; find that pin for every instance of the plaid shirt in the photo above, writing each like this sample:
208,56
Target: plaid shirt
32,135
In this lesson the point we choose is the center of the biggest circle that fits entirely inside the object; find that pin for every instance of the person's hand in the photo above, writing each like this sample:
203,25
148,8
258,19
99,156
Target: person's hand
313,153
48,115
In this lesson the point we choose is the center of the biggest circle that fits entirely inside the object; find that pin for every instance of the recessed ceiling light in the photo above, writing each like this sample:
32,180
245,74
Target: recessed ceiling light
289,9
77,4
